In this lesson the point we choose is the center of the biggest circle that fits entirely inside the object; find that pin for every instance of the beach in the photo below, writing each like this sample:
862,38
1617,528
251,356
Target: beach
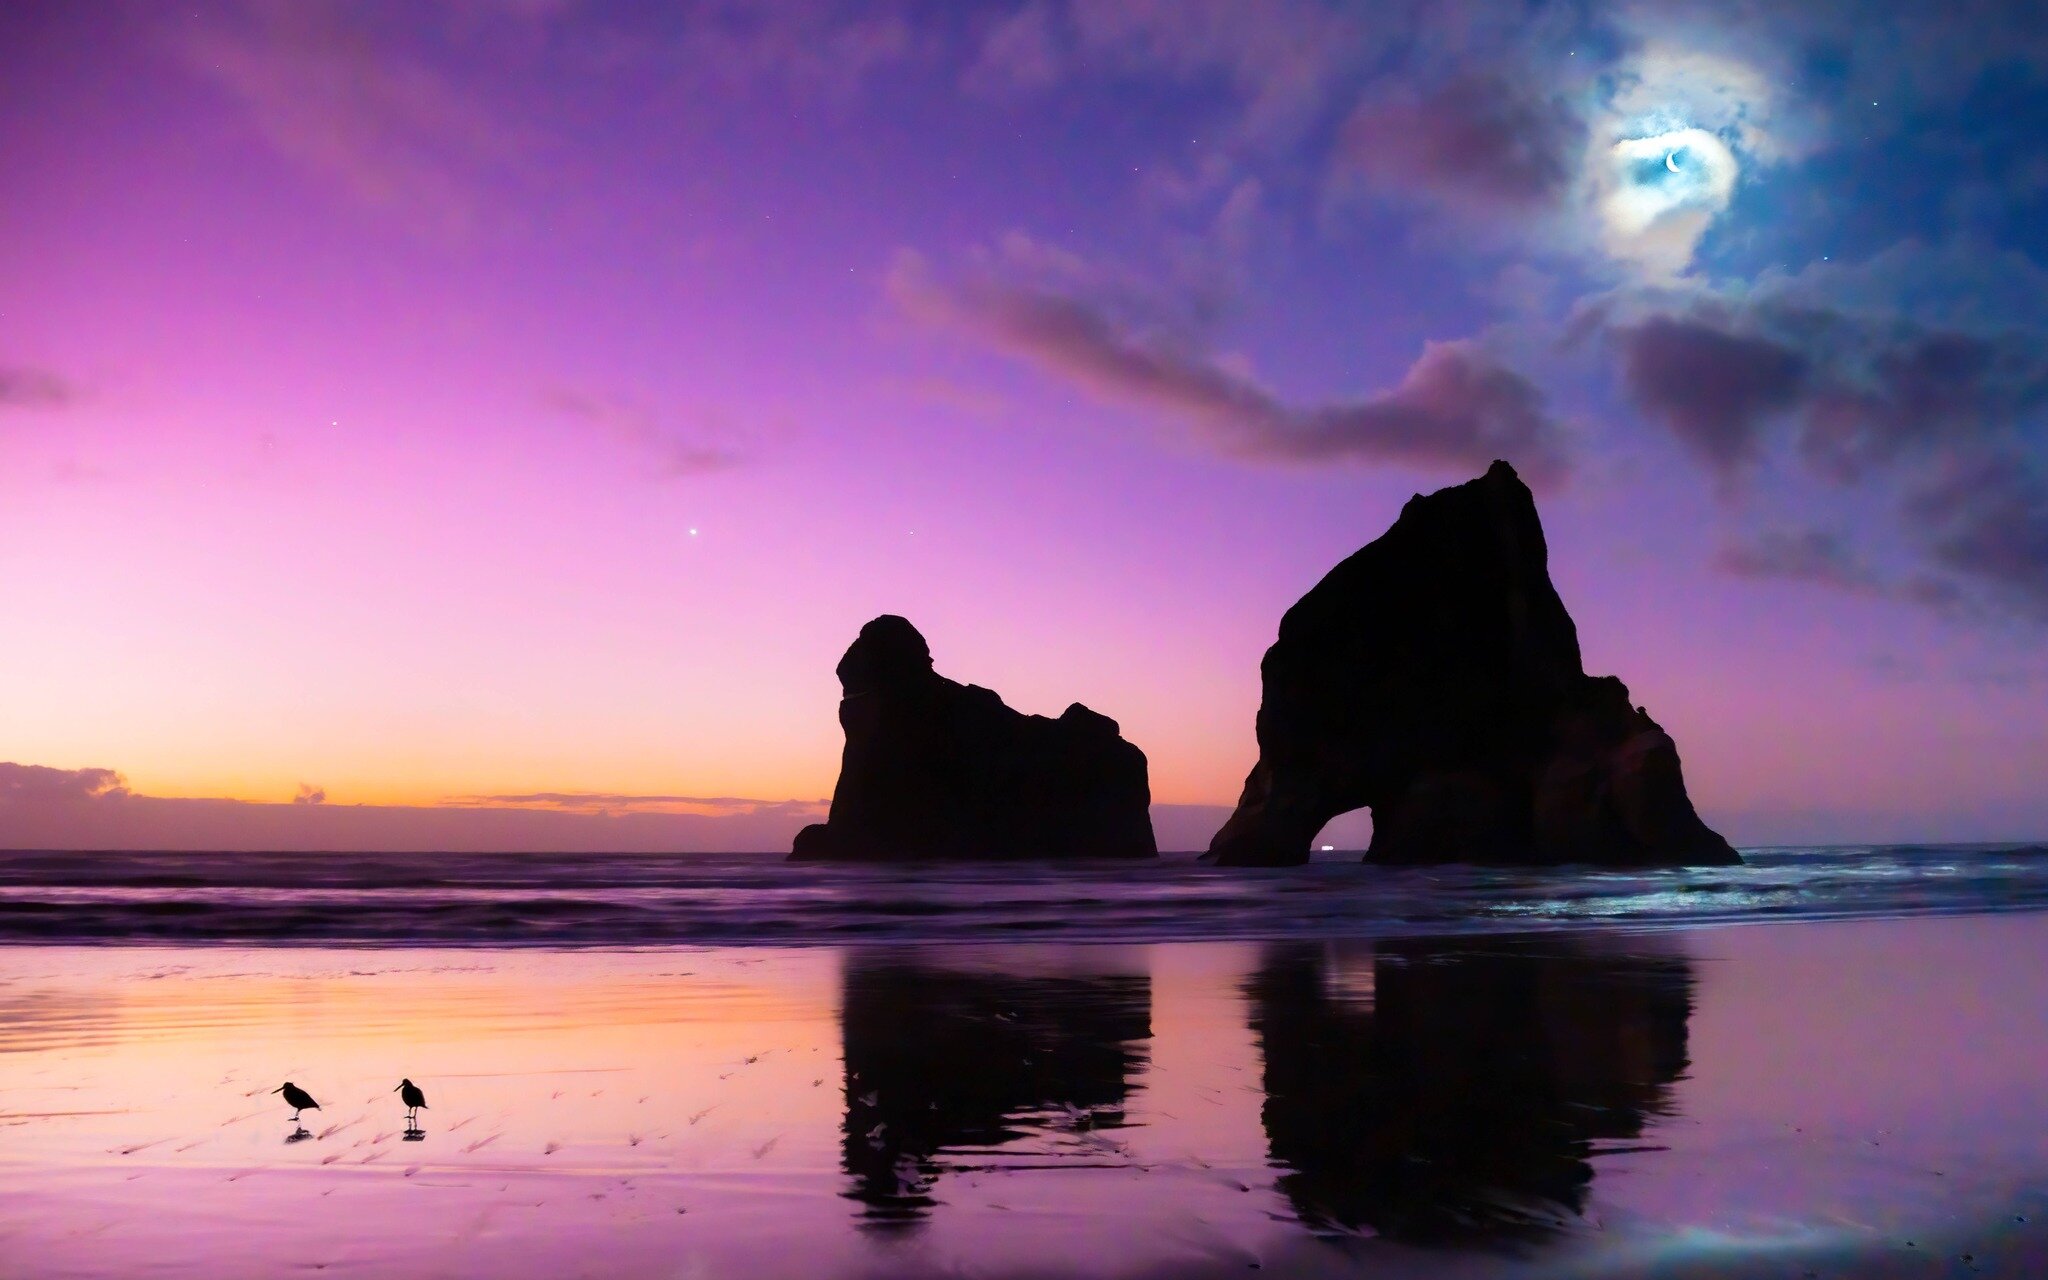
1813,1098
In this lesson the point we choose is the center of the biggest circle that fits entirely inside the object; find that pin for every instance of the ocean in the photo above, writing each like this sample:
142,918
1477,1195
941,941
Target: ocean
587,900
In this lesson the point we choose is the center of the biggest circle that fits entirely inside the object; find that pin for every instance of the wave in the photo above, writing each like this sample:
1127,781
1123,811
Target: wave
630,900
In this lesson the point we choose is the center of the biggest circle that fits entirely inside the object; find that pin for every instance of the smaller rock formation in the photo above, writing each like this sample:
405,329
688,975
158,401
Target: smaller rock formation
937,769
1434,676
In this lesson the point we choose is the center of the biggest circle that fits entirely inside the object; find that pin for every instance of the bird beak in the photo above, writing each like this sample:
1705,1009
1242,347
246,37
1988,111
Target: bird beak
396,1087
279,1089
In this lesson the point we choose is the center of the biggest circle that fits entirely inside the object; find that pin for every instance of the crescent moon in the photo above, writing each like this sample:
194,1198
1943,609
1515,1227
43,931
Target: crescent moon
1671,161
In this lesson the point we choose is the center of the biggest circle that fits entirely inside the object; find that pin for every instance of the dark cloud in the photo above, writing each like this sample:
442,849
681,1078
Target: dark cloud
1951,416
1821,558
1483,141
1801,555
1855,392
1456,406
309,794
1988,518
23,387
41,784
1717,390
638,425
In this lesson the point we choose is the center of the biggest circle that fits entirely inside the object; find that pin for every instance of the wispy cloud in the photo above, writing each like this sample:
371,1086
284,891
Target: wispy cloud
28,387
1455,407
1484,141
624,802
638,425
325,88
1819,557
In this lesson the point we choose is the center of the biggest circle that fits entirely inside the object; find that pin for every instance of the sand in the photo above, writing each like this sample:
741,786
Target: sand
1804,1099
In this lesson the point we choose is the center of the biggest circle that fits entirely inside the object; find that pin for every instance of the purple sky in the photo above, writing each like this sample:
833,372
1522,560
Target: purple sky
424,405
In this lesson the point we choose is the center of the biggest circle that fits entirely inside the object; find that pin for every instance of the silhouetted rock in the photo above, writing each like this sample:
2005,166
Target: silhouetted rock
1448,1091
938,769
1435,677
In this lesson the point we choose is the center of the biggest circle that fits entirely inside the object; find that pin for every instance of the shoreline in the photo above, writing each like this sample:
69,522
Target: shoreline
1734,1101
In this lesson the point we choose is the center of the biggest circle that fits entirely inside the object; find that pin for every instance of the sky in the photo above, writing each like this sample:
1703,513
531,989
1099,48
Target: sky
464,424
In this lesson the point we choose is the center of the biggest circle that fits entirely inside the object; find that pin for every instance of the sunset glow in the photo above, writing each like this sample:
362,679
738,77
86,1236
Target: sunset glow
538,401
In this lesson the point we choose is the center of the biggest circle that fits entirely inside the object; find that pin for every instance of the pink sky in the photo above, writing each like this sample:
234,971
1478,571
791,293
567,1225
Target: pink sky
493,405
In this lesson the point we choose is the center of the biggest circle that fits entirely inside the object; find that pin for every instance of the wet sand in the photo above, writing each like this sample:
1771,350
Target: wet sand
1828,1099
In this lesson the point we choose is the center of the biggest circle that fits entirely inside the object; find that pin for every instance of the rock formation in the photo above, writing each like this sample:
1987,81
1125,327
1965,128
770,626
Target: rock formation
1435,677
938,769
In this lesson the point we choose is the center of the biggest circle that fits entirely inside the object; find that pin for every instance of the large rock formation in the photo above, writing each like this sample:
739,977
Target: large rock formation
1435,677
938,769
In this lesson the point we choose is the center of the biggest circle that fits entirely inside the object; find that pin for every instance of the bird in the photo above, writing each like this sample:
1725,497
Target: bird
297,1099
413,1098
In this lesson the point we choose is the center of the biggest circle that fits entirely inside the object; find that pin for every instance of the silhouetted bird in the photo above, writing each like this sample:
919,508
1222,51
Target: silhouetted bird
297,1099
414,1100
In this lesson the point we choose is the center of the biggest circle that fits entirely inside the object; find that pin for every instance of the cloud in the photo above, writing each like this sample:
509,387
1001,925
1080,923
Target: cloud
41,784
1714,388
1020,52
1855,391
1455,407
325,92
1280,60
819,46
638,425
1801,555
1658,194
1665,85
1987,517
1475,141
1945,418
26,387
48,808
611,801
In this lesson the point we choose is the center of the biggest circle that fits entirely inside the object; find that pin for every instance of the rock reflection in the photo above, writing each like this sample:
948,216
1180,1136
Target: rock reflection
1446,1091
945,1064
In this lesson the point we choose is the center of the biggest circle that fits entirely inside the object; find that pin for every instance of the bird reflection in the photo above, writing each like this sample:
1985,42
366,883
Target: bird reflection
1445,1091
945,1063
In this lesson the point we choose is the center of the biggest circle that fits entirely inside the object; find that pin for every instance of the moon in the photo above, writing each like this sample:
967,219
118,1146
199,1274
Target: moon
1671,161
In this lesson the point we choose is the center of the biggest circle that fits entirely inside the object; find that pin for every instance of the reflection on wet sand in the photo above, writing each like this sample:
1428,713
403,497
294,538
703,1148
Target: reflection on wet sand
1446,1091
946,1064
